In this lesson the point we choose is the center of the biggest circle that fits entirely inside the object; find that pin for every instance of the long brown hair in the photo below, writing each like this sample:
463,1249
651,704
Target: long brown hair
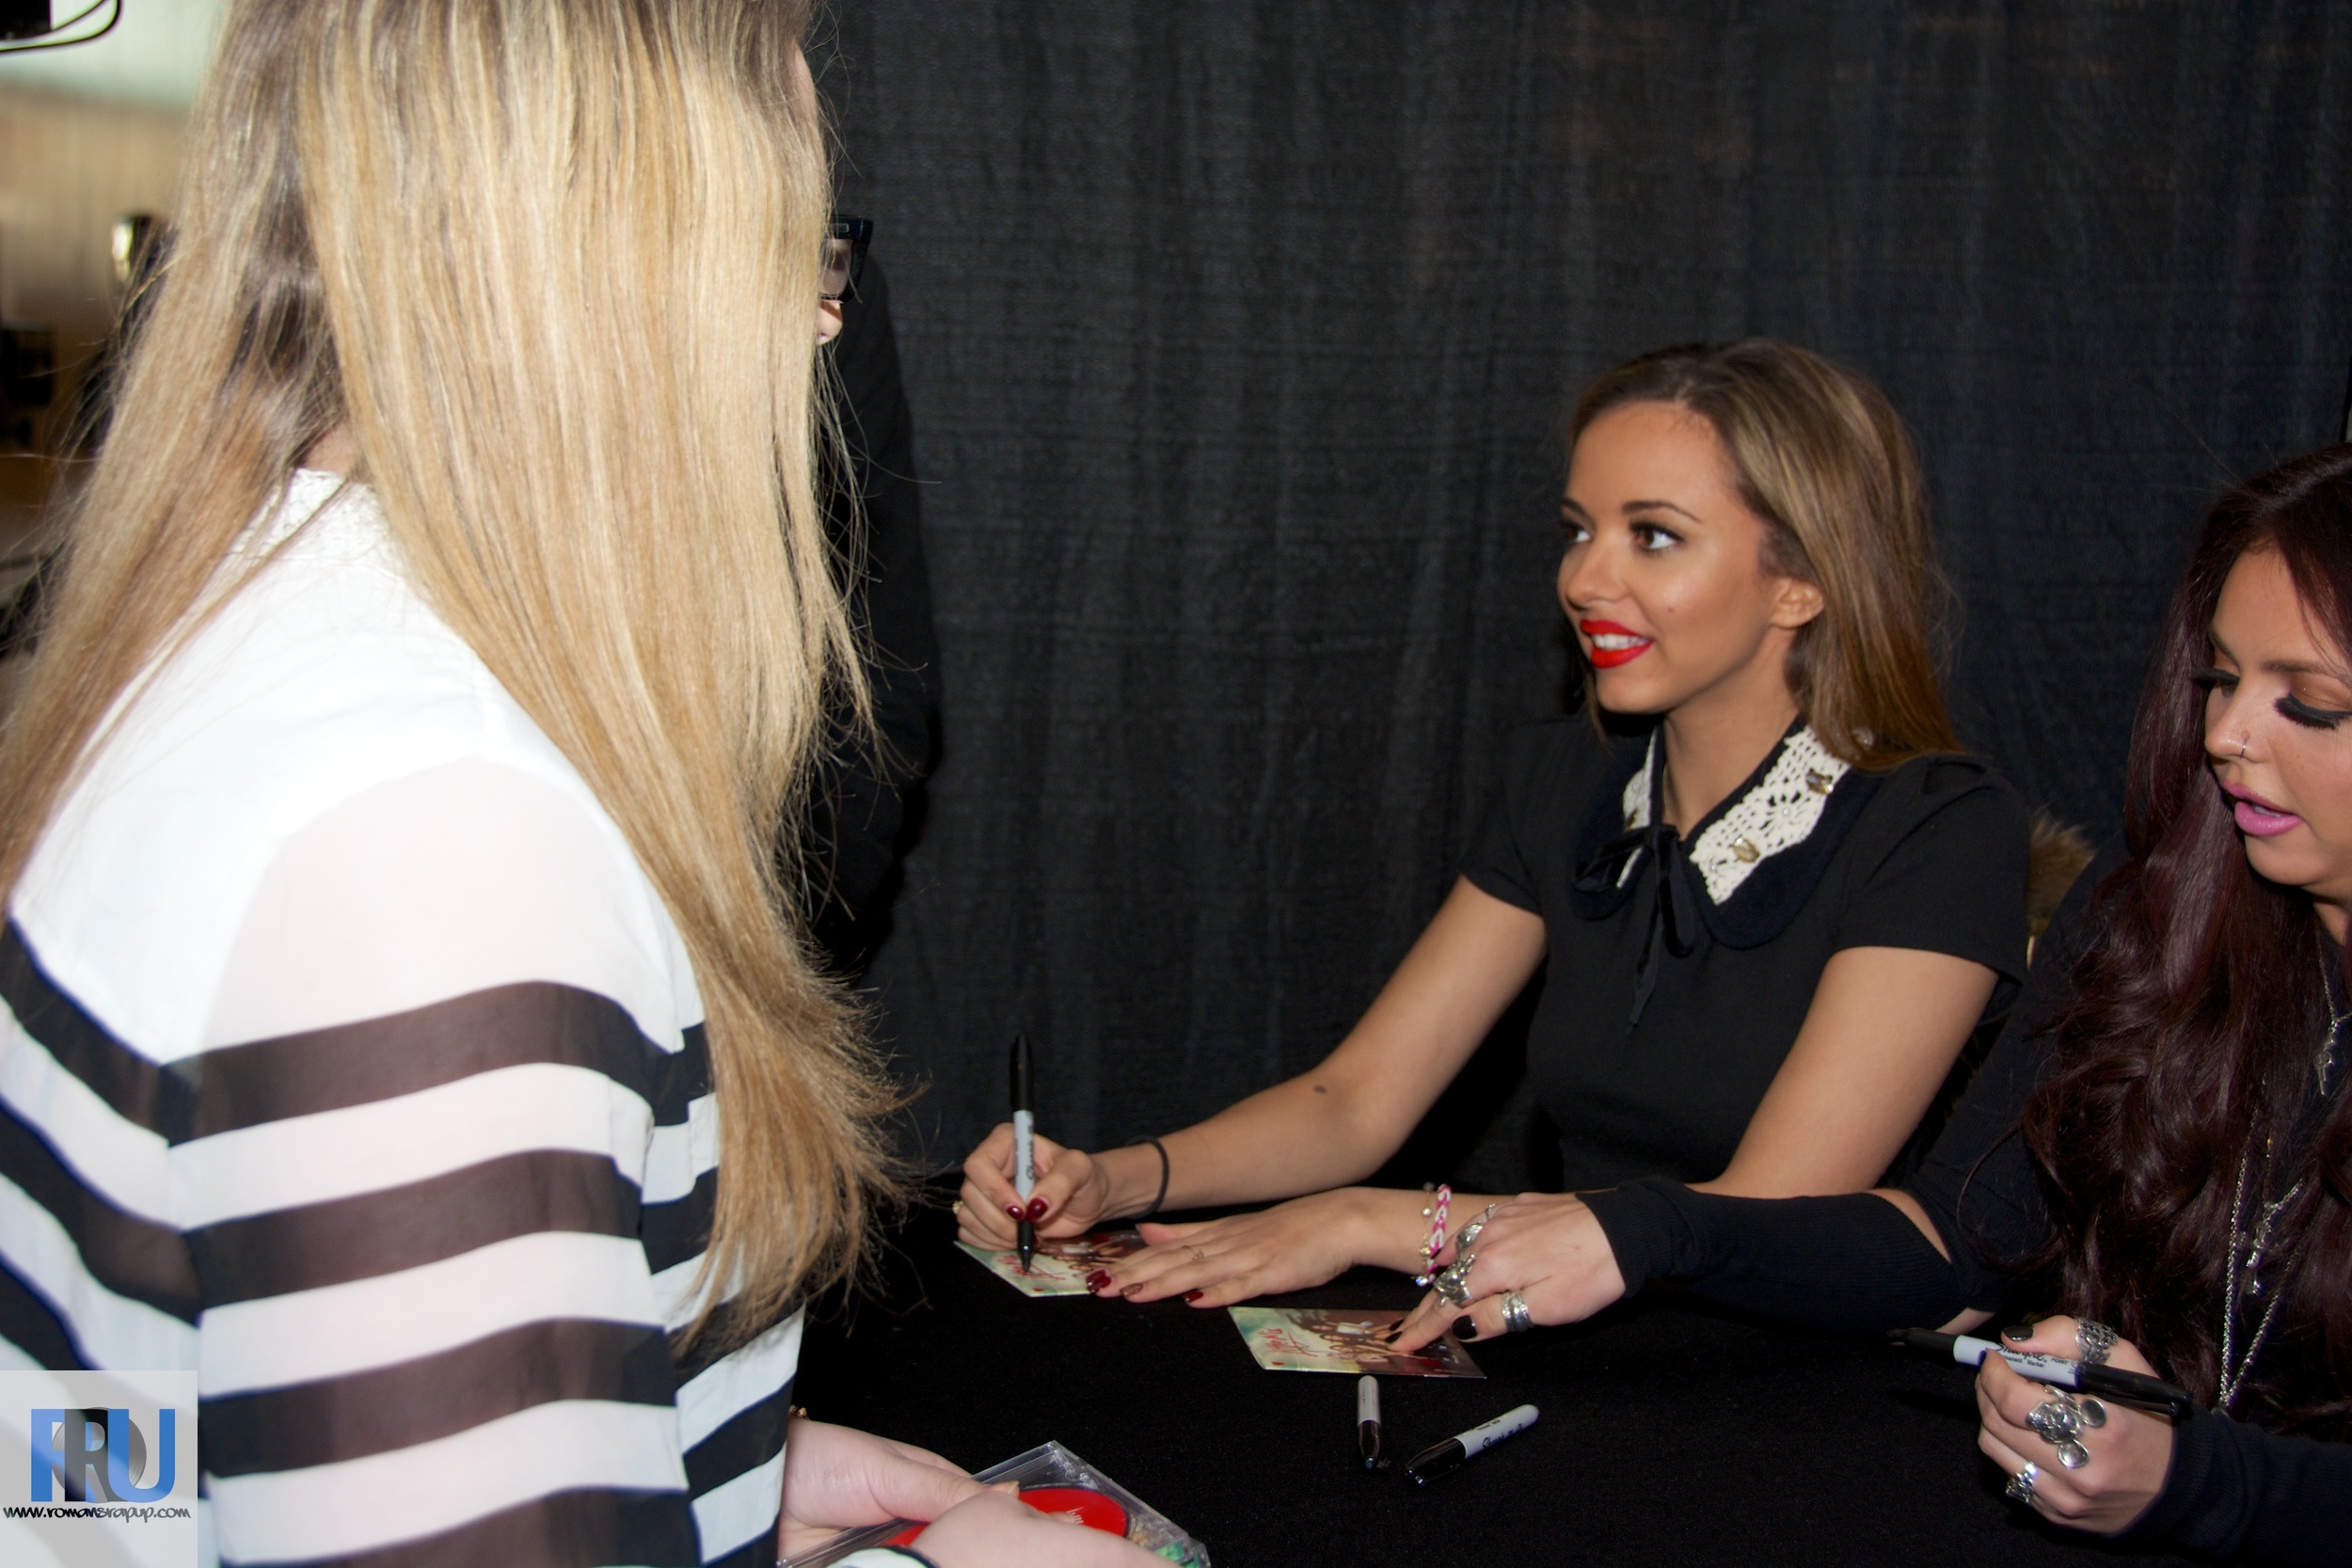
2199,1009
1823,459
553,266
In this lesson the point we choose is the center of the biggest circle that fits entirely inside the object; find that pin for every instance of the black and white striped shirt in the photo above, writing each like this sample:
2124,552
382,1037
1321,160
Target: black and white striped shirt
352,1061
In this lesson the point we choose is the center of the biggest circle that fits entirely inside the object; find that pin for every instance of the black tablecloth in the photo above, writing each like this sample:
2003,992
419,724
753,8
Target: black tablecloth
1670,1435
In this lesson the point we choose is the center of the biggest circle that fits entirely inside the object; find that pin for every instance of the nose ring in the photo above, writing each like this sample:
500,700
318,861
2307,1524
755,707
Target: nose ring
2241,745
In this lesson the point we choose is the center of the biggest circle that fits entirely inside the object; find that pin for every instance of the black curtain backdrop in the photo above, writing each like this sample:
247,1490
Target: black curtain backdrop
1238,335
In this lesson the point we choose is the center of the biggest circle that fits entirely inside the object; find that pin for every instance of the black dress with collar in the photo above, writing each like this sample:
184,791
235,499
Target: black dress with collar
1680,967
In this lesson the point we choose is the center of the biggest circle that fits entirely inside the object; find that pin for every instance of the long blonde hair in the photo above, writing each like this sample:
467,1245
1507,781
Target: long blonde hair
553,266
1823,459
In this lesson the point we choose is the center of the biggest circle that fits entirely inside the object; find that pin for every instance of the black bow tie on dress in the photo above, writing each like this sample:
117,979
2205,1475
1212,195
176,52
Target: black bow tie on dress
1674,916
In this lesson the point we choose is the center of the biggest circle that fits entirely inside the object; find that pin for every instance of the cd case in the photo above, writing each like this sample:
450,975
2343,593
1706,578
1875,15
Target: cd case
1048,1468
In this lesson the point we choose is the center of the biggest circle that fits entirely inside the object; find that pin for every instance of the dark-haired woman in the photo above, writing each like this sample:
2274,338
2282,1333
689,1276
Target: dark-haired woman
1766,924
2177,1071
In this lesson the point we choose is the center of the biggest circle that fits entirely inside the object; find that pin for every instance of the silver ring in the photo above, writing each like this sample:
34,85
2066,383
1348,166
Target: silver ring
1514,1316
2241,744
2057,1421
2020,1487
1453,1281
2094,1342
1467,1236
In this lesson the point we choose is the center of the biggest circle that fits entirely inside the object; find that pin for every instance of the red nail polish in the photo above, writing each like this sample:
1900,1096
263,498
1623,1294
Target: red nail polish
1192,1295
1037,1208
1013,1209
1099,1278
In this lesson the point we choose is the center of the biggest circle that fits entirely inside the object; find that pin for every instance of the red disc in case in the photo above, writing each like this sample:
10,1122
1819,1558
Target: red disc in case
1088,1507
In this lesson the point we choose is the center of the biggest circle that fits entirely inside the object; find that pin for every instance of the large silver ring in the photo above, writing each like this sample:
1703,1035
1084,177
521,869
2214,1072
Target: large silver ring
1467,1236
2094,1342
2056,1420
1514,1316
2020,1487
1453,1281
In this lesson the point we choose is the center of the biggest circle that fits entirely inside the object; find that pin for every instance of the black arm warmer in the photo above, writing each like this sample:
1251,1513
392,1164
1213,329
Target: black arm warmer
2235,1490
1853,1265
1857,1265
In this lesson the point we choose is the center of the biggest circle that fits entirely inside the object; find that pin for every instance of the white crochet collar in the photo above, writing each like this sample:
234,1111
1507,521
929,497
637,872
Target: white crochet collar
1779,812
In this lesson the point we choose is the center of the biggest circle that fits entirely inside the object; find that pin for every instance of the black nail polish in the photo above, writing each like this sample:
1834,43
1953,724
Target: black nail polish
2017,1334
1465,1328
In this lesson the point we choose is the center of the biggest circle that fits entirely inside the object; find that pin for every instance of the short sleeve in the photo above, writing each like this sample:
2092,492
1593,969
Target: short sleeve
1953,879
1524,828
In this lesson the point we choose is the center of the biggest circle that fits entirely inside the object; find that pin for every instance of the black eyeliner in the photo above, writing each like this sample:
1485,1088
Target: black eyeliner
2297,711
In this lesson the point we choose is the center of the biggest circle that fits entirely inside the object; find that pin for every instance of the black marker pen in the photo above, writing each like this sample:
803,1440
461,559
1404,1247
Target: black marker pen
1023,1153
2138,1389
1368,1420
1443,1459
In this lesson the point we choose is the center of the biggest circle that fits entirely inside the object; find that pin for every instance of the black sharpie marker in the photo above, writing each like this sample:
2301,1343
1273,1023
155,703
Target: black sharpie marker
2138,1389
1443,1459
1023,1150
1368,1420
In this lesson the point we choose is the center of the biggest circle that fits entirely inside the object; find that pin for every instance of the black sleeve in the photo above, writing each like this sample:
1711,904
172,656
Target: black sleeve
1954,882
860,805
2237,1490
1856,1263
1526,817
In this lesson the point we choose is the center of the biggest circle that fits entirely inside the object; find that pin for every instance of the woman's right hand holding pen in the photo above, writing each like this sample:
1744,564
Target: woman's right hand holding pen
1072,1196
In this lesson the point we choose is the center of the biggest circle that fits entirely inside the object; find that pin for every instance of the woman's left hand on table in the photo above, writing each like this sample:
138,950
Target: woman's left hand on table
1291,1247
2130,1453
1548,1248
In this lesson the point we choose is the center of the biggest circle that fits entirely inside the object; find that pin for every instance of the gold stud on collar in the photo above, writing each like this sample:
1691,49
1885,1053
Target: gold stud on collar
1746,850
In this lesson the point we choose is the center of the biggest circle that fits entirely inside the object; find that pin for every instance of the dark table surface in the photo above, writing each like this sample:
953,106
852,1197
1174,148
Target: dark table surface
1670,1434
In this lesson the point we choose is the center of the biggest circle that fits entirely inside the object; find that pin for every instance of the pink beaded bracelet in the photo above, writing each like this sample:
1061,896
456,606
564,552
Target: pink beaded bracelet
1436,1215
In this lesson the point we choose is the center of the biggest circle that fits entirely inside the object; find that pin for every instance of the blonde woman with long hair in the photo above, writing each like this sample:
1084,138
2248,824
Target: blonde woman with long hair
404,1034
1767,918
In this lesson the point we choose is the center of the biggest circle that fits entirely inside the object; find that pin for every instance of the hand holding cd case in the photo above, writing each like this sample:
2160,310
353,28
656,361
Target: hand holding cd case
1057,1481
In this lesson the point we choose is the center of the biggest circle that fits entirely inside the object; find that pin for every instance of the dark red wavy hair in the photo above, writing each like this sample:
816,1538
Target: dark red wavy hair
2200,1005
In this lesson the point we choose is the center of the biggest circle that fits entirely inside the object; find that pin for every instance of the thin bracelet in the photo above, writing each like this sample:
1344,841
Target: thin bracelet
1161,1197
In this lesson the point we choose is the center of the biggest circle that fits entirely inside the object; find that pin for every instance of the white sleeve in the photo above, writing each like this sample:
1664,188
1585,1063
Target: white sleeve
415,1195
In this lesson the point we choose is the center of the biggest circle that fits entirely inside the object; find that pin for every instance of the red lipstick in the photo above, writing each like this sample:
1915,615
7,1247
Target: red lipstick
1609,644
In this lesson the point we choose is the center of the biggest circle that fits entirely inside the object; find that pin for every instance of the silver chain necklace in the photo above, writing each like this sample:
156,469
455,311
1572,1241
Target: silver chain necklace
2245,1280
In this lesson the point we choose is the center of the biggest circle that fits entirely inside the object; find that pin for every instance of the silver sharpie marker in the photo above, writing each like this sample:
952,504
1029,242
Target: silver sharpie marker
1443,1459
2133,1388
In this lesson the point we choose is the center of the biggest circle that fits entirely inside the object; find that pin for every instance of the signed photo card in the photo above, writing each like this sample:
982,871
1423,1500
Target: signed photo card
1060,1265
1328,1340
